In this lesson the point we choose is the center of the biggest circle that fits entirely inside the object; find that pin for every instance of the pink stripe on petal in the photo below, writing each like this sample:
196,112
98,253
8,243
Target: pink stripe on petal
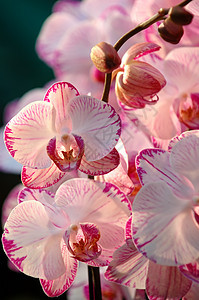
59,95
27,134
97,123
44,178
191,271
119,177
164,228
40,195
128,267
166,282
32,242
138,50
58,286
99,202
69,160
154,165
184,157
102,166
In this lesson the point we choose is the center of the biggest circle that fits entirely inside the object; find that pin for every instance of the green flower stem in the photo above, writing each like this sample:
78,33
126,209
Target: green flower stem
160,15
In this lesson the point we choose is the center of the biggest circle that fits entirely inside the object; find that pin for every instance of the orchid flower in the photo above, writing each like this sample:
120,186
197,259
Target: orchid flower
64,132
46,234
84,24
177,109
137,82
165,210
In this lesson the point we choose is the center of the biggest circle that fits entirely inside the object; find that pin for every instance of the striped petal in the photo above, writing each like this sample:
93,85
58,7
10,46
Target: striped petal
128,267
58,286
102,204
164,227
191,271
93,197
165,282
45,178
27,134
185,156
138,50
101,166
154,165
97,123
32,241
59,95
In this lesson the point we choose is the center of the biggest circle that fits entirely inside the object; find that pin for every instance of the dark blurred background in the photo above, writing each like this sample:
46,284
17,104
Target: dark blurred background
20,71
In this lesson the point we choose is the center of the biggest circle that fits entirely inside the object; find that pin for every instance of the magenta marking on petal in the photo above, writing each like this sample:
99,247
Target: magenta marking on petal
68,162
9,140
42,179
10,247
49,286
124,199
56,86
102,166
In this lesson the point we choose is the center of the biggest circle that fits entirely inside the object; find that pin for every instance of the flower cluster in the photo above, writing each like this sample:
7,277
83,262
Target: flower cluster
109,183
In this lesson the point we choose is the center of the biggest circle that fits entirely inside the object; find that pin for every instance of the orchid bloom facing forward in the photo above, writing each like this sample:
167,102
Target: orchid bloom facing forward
165,210
45,235
63,133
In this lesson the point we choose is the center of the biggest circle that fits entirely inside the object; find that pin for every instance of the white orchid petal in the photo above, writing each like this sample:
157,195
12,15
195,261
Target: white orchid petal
164,228
97,123
27,134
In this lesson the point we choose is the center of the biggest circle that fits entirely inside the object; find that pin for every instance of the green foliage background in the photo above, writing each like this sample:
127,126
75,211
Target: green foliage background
20,67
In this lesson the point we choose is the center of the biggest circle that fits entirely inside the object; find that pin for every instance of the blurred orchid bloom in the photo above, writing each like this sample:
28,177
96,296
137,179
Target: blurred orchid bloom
86,24
63,133
137,82
46,234
132,269
165,210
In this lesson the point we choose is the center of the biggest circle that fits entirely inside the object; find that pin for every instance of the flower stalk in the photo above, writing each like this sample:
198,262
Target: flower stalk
94,283
160,15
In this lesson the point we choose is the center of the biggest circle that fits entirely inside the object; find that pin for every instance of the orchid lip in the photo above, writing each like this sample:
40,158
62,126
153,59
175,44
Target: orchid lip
82,241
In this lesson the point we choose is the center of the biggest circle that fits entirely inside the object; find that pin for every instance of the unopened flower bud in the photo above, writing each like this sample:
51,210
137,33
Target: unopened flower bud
179,15
170,31
105,57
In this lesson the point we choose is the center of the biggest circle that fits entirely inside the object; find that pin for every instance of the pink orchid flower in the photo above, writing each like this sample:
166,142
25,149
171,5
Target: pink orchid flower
63,133
46,234
165,210
178,107
93,22
137,82
132,269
